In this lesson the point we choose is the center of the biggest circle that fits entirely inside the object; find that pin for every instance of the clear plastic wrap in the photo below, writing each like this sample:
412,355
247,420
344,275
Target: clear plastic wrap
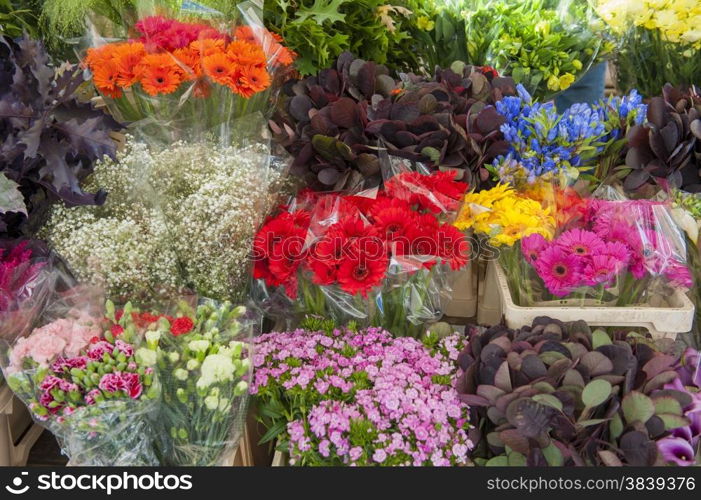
610,252
183,72
203,363
81,377
377,257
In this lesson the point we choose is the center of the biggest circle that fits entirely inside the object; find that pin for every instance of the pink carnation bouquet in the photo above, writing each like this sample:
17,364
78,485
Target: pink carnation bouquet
345,397
620,253
88,386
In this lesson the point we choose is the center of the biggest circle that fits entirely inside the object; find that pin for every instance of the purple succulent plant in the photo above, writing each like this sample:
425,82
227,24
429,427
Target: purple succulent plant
560,394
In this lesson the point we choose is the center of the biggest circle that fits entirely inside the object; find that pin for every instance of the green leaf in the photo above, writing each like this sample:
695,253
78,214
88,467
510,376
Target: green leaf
432,153
667,404
273,432
673,421
516,459
11,199
548,400
637,407
500,461
593,421
553,455
322,11
596,392
599,338
616,427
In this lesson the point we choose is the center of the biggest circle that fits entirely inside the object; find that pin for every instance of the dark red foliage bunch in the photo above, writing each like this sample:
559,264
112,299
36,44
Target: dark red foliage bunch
667,149
335,123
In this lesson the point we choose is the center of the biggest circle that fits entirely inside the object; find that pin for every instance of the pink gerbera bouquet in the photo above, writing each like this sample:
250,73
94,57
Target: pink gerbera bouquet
621,252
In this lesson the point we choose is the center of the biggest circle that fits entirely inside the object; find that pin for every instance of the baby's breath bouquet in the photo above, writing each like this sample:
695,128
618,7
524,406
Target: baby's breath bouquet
201,355
177,217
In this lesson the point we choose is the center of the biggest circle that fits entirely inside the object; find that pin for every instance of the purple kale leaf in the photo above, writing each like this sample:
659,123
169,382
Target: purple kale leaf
49,140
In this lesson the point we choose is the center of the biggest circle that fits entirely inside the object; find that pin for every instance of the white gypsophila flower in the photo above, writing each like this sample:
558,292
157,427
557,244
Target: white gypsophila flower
177,217
215,368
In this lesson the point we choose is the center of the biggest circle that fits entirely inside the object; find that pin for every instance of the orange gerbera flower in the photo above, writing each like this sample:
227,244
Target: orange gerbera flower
105,77
189,61
246,53
207,46
246,34
251,80
219,68
127,57
282,55
160,74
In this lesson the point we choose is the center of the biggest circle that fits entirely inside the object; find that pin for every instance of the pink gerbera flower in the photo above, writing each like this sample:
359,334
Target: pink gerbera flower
617,251
657,251
532,246
601,269
559,270
679,275
580,242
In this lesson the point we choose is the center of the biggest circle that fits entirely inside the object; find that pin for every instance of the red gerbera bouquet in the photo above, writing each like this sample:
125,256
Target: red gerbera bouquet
377,257
179,75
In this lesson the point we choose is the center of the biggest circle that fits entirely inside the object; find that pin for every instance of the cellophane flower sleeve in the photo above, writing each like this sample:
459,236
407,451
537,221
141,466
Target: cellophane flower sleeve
77,371
202,353
606,250
178,71
376,257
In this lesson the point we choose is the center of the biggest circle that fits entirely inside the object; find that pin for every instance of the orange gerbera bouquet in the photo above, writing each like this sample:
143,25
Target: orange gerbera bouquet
158,75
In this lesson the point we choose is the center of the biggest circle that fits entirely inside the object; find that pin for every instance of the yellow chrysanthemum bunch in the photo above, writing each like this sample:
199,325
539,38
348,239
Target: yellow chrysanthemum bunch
504,216
679,21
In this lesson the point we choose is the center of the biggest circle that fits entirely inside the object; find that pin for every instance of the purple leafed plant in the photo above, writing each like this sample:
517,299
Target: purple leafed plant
335,123
667,148
556,394
49,140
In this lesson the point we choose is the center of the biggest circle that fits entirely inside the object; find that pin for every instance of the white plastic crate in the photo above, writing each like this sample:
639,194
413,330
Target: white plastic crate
463,303
661,322
18,432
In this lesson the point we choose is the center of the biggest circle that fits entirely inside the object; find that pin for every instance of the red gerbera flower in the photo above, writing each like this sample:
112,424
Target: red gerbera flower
392,223
361,275
182,326
453,246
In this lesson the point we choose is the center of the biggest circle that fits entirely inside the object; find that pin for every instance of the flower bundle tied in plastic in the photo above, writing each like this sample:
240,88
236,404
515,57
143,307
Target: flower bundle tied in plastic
201,355
175,73
557,247
81,378
621,252
377,257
